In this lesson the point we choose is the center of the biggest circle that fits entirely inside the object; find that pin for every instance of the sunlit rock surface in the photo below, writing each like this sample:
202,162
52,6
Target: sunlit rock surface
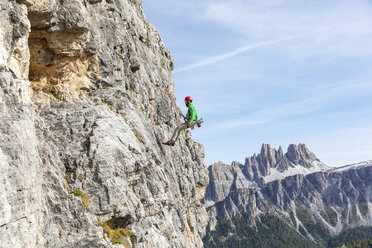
78,144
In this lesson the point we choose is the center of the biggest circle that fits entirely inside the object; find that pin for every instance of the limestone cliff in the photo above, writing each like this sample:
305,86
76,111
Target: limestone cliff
80,160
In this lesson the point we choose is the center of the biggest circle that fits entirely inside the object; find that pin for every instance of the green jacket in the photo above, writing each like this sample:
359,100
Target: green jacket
191,113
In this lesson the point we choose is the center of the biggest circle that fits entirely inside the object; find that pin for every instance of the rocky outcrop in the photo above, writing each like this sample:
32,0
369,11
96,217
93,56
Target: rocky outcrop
318,205
270,164
80,158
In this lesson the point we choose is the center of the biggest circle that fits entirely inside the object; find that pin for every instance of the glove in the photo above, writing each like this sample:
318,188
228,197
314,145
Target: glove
188,124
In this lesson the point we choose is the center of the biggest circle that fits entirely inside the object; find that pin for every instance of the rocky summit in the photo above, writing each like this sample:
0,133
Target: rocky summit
317,201
270,164
86,98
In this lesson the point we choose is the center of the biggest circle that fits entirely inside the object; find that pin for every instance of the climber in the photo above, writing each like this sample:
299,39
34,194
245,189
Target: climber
190,120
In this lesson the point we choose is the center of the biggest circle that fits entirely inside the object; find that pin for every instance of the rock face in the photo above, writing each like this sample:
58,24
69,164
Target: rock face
21,215
270,164
80,157
318,205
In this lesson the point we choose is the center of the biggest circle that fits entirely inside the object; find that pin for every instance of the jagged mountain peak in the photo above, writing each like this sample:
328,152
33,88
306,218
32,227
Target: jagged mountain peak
280,150
269,158
300,153
269,165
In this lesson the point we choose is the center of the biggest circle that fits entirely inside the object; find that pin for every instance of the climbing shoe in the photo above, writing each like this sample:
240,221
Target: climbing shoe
199,122
169,143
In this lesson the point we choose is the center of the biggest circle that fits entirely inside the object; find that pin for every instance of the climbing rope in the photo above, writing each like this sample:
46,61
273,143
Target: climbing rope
153,118
152,114
152,69
157,135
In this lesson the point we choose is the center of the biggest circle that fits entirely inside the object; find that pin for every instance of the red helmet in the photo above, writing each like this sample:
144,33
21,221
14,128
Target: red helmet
188,98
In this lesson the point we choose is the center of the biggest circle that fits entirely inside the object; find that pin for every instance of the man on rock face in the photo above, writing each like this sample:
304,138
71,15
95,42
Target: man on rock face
190,120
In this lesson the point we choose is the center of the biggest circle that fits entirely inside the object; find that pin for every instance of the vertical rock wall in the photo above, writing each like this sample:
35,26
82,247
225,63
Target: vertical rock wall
20,167
79,156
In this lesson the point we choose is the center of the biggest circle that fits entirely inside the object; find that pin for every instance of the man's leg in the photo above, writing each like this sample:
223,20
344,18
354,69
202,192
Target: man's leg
193,123
178,130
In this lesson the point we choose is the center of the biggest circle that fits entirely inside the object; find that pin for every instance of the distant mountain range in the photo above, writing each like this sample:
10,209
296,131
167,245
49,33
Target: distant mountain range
316,201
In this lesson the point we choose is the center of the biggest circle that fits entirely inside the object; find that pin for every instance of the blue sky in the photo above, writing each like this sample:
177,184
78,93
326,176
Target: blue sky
274,71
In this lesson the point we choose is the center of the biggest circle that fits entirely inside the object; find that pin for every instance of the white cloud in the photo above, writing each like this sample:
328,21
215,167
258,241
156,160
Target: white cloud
342,28
321,29
342,146
237,123
317,99
286,17
221,57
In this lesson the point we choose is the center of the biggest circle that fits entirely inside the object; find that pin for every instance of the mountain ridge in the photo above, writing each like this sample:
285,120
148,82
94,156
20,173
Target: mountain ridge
329,199
270,164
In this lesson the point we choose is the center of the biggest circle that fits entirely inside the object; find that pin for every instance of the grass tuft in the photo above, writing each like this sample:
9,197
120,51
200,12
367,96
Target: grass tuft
138,135
68,177
108,105
118,235
46,88
80,193
81,177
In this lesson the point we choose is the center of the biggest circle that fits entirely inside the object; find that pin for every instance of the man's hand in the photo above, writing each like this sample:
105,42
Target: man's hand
188,124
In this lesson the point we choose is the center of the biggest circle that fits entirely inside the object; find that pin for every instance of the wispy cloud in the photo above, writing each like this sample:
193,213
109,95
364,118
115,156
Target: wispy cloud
224,127
341,28
349,153
317,100
238,123
334,31
349,144
221,57
286,17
